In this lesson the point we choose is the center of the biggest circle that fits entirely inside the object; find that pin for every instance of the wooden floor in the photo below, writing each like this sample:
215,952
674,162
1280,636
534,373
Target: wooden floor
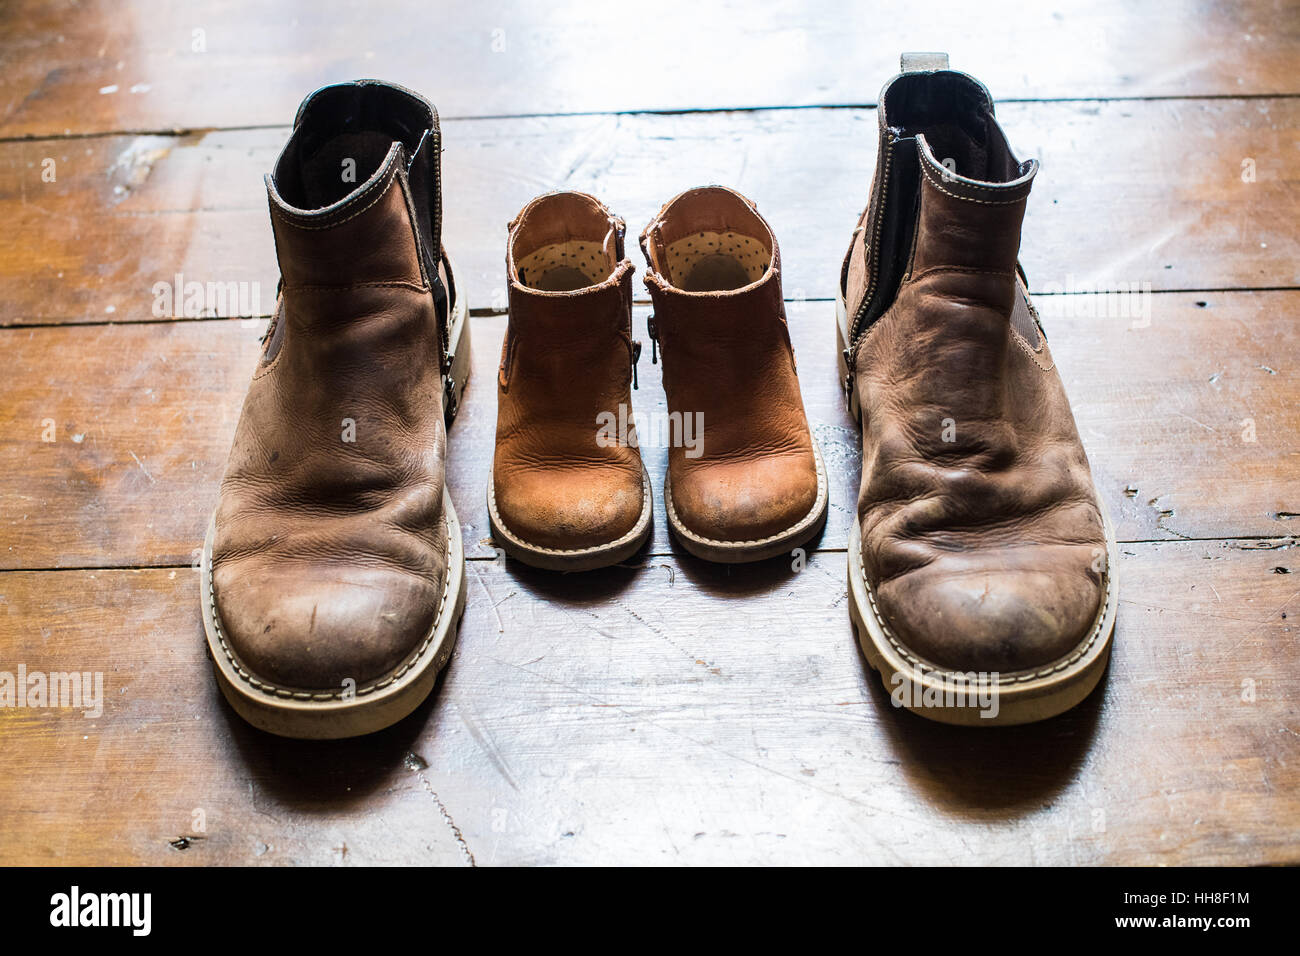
666,711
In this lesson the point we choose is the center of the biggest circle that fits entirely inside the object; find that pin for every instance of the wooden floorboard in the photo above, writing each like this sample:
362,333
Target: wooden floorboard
673,712
666,710
1131,195
143,417
109,65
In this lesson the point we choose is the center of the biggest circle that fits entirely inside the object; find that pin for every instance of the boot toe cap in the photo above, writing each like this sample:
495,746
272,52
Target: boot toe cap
737,501
991,620
569,512
316,628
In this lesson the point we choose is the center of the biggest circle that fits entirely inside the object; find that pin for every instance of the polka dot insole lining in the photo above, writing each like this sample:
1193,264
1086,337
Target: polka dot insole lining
685,254
587,258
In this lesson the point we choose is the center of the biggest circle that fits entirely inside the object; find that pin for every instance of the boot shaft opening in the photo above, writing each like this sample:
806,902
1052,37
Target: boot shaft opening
341,137
564,242
710,240
955,115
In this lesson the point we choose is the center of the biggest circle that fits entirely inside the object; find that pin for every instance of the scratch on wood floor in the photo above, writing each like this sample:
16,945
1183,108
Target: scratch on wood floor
653,630
442,807
796,779
488,745
501,625
1195,421
142,467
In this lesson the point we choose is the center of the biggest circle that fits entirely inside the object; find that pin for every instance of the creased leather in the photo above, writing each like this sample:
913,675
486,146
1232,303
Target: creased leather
985,552
727,355
329,556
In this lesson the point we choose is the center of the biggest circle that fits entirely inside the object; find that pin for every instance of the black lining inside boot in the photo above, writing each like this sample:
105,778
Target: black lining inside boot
359,122
353,121
955,115
336,167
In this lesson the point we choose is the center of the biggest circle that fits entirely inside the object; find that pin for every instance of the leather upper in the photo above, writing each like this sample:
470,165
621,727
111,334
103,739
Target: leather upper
330,549
727,358
559,482
982,538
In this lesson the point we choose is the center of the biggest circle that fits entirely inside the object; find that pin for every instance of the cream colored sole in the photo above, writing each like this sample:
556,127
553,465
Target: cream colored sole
963,698
337,713
575,559
739,552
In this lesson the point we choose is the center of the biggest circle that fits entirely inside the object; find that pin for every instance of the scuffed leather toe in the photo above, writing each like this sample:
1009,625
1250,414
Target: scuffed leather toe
739,500
958,616
569,511
315,630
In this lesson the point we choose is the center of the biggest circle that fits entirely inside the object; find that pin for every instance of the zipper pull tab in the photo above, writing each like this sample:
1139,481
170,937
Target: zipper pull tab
653,329
636,360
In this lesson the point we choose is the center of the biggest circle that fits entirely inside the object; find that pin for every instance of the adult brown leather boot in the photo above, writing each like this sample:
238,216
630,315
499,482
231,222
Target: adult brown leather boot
568,491
333,570
982,565
745,477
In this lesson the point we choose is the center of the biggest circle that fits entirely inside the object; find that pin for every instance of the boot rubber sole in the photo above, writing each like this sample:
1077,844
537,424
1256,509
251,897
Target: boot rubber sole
964,698
337,713
574,559
740,552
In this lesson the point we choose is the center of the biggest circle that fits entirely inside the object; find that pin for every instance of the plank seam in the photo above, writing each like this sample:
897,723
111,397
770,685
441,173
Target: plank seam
676,111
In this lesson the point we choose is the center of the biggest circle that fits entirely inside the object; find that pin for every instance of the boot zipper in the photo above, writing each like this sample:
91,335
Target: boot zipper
636,360
437,232
436,157
435,137
873,274
653,329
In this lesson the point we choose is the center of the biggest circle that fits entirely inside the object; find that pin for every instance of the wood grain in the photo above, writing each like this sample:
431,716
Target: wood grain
144,416
1131,195
108,65
667,710
674,712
